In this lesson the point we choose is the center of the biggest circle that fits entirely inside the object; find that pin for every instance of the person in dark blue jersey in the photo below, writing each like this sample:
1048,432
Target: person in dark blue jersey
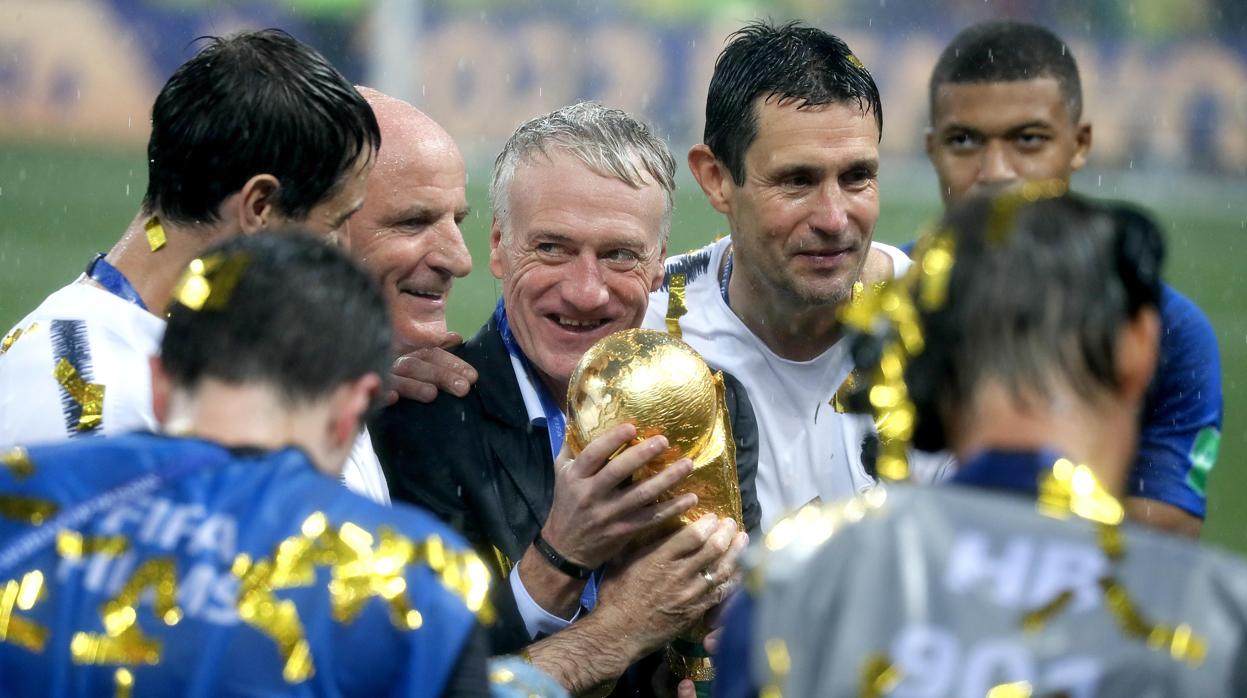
1006,107
223,557
1023,340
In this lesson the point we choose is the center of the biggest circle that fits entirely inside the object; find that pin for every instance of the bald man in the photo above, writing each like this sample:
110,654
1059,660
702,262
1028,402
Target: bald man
407,236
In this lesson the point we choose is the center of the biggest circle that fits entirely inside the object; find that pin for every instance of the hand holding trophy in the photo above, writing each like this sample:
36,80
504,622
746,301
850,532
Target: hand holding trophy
663,387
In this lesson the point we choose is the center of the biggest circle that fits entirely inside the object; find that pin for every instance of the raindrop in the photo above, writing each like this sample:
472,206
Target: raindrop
127,189
1099,180
990,57
422,90
541,91
129,122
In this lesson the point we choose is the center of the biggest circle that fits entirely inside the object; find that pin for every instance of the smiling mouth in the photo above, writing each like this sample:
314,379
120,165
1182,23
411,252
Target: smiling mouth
578,326
425,295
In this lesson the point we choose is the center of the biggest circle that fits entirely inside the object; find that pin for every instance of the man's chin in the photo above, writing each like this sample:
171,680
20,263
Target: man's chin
412,336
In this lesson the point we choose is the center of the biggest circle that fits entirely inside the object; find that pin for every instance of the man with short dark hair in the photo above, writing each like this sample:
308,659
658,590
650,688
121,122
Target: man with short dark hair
791,158
1039,330
1006,107
224,558
256,132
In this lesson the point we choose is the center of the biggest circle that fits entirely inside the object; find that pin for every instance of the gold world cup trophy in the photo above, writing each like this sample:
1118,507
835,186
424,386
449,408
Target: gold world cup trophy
662,386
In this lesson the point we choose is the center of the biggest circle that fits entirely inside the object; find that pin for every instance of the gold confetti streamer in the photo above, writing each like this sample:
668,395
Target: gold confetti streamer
879,676
676,307
125,682
123,642
780,663
26,509
17,462
72,545
11,338
23,596
362,566
89,395
1017,689
156,238
208,282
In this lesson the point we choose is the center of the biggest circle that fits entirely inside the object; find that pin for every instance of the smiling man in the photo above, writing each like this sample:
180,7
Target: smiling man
407,236
582,207
1006,108
791,159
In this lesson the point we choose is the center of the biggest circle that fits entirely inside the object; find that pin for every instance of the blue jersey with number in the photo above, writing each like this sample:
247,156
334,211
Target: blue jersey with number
1182,411
170,566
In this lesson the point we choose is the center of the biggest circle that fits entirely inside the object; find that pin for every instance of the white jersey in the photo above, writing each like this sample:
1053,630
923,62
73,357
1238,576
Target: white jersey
806,449
79,365
81,338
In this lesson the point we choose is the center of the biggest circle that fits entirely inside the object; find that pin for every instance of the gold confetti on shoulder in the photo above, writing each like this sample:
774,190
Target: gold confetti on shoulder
11,338
362,566
676,307
90,396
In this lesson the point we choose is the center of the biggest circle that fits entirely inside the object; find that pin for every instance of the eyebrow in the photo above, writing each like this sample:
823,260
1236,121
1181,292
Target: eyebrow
609,243
955,126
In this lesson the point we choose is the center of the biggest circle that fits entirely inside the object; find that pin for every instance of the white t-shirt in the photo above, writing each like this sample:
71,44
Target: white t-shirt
806,449
108,341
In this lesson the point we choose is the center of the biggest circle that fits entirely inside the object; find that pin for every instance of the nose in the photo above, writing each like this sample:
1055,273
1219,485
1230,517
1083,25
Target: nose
996,167
450,254
584,287
831,213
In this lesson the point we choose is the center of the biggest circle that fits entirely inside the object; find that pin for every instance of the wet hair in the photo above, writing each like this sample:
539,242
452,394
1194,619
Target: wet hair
1035,305
286,311
786,64
248,104
608,141
1003,51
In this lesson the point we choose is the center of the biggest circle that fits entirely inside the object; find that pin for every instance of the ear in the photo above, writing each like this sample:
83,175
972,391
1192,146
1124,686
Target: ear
713,177
1082,144
162,389
1137,353
257,203
350,402
495,249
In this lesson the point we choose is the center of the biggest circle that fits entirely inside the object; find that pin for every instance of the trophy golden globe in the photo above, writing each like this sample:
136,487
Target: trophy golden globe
663,387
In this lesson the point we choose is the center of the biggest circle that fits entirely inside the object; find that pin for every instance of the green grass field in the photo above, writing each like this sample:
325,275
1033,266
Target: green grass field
59,205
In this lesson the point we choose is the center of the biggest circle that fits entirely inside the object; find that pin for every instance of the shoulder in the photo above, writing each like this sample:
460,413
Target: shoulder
1185,328
697,264
884,262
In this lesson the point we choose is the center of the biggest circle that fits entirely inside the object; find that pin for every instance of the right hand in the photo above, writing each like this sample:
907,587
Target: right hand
661,591
596,512
421,373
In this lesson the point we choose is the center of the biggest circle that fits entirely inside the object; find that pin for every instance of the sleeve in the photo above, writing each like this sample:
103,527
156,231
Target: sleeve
419,453
469,678
537,620
745,434
1181,431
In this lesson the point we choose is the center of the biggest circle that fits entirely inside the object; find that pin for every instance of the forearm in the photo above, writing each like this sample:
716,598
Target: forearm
592,652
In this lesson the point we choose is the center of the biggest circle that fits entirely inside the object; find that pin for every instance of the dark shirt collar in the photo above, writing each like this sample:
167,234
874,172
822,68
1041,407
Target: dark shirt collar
1009,471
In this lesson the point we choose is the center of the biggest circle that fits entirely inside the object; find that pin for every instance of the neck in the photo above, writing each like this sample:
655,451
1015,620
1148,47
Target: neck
251,416
1100,434
789,327
154,273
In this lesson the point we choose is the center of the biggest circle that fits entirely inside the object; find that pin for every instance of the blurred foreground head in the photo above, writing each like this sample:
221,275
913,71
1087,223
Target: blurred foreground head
285,316
1051,308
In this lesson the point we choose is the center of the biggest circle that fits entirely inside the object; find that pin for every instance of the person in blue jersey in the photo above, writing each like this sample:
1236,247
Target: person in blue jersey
1006,107
222,557
1039,324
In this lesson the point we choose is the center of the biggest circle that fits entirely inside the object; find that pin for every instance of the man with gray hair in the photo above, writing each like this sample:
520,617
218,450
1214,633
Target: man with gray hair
582,207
